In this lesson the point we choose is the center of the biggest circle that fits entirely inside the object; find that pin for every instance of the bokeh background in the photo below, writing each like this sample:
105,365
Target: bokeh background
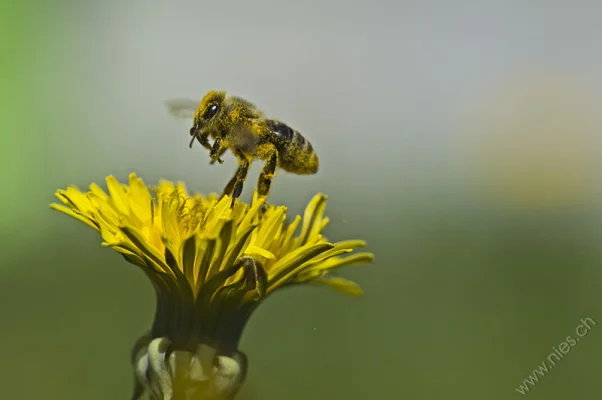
460,139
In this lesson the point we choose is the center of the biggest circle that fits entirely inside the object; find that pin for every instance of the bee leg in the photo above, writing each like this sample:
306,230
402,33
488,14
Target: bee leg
203,139
267,173
216,151
234,186
219,155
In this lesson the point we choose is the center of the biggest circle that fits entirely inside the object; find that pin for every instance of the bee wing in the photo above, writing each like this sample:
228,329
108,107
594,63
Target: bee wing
182,108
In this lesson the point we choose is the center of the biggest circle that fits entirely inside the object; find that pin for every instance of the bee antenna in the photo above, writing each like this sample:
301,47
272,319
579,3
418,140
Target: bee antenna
192,141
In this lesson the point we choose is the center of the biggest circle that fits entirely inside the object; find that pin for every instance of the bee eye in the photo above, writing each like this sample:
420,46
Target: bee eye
211,111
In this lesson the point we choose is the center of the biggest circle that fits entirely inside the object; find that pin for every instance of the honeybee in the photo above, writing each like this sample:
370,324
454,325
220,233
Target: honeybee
238,125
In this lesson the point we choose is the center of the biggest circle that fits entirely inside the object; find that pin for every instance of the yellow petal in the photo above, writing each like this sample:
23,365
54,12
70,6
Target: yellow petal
220,210
139,199
312,218
341,285
76,215
75,199
338,262
286,267
96,190
350,244
258,251
118,197
150,253
269,228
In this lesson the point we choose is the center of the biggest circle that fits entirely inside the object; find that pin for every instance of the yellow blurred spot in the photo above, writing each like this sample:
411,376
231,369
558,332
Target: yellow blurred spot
538,144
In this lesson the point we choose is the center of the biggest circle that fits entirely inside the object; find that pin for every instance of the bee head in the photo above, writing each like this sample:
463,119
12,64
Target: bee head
210,107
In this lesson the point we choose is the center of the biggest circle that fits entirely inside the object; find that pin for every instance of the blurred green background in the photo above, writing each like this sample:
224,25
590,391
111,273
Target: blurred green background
461,141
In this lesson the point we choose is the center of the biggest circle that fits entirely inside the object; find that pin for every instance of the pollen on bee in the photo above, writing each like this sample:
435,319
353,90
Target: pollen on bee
234,115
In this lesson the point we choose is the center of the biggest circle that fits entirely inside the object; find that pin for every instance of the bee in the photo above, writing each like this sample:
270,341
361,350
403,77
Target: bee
238,125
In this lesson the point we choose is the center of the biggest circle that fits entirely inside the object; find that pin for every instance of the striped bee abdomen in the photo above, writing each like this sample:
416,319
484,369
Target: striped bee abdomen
295,153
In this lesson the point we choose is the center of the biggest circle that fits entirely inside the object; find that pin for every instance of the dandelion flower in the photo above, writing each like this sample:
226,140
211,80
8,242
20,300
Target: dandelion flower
211,265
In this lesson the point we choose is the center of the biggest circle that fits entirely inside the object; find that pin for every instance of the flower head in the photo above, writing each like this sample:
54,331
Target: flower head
211,265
